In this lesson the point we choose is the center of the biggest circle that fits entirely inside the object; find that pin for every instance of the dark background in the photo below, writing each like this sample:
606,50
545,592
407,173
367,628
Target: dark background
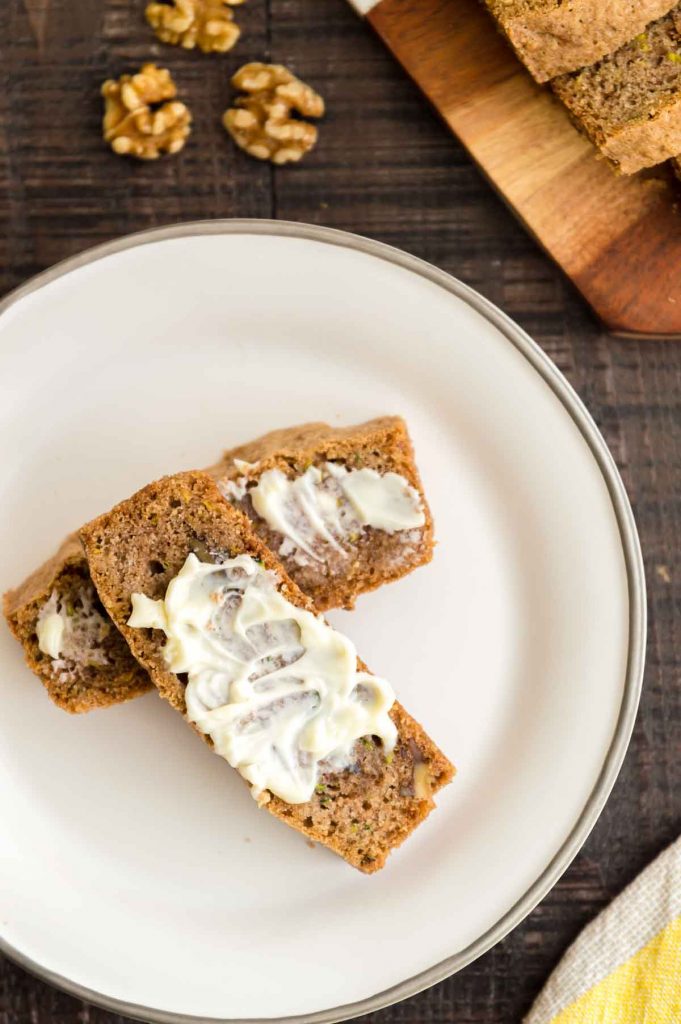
384,167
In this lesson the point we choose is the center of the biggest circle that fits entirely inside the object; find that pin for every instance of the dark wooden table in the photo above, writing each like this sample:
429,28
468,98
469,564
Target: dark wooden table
385,167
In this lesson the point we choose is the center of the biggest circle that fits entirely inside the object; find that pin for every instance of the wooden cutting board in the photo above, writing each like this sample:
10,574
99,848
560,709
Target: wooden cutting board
617,238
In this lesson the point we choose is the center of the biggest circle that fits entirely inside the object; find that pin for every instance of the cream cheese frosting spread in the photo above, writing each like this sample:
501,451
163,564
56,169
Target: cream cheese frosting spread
273,685
330,505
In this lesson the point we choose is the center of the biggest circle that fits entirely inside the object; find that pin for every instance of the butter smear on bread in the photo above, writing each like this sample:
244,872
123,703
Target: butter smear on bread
276,688
330,504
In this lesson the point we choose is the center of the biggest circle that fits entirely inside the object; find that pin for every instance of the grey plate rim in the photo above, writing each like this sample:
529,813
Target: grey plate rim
635,582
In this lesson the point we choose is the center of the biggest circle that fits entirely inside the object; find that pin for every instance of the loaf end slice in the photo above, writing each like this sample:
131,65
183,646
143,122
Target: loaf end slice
140,546
364,557
93,666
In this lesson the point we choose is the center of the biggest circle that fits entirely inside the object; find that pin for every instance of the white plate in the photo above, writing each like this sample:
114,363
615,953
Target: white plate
136,870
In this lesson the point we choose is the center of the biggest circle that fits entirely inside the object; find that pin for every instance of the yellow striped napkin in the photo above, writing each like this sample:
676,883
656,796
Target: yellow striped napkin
625,967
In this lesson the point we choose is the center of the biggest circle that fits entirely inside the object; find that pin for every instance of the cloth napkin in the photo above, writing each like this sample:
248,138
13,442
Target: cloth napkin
625,967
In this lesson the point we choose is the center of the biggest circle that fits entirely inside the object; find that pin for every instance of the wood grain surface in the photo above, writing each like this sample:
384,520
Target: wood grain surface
385,167
618,238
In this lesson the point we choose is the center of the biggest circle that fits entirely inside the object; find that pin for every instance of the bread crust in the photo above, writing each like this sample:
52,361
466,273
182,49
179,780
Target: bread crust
140,546
646,143
553,38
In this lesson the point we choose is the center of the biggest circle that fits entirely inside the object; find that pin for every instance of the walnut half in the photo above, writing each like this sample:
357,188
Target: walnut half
263,122
142,117
207,24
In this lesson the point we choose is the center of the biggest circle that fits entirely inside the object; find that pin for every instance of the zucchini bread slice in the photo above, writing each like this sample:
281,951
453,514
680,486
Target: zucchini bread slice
146,546
343,508
629,104
553,37
68,639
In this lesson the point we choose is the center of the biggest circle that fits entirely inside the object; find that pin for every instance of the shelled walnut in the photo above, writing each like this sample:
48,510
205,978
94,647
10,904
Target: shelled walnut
208,24
264,122
142,117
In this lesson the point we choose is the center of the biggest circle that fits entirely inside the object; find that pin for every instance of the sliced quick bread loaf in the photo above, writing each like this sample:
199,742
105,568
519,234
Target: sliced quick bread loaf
359,557
629,104
328,502
361,811
553,37
68,639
